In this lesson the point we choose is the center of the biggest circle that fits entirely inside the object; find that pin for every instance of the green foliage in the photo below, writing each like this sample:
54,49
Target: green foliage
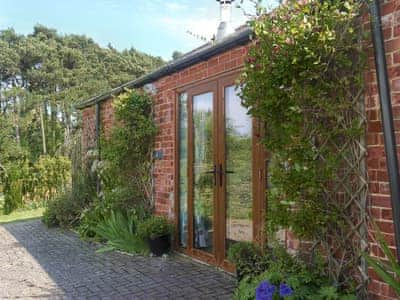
118,199
119,230
24,182
304,66
42,76
248,259
65,209
388,271
307,281
50,174
50,72
154,227
127,152
125,165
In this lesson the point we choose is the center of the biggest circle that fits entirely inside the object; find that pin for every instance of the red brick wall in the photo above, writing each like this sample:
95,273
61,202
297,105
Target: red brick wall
164,116
89,124
88,129
379,194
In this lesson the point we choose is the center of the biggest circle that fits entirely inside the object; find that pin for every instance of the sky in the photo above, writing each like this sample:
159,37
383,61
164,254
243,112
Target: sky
157,27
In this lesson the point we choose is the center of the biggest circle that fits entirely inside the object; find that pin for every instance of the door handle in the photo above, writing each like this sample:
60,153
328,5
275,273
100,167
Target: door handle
221,174
213,171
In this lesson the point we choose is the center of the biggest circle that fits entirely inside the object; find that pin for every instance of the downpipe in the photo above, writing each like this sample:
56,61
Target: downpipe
387,117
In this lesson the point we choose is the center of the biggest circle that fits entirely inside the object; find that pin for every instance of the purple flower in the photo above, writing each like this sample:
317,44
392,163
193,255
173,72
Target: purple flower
285,290
265,291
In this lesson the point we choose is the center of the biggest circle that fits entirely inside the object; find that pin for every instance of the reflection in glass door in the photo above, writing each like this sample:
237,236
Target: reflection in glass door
203,171
183,164
238,170
216,182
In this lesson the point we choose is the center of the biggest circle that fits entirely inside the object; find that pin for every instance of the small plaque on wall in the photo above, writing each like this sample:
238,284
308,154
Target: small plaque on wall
158,154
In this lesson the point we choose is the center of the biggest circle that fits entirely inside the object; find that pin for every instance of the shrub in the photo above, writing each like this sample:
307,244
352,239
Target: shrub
66,208
62,211
303,79
25,182
127,149
118,199
248,259
299,78
51,175
119,230
308,281
125,165
154,227
15,180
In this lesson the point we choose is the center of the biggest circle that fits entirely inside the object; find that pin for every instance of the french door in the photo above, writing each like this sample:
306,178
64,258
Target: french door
221,174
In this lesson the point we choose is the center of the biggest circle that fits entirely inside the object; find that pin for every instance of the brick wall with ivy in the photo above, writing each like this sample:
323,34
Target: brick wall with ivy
379,193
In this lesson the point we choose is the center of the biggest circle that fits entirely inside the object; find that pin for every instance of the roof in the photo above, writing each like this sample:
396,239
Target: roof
240,37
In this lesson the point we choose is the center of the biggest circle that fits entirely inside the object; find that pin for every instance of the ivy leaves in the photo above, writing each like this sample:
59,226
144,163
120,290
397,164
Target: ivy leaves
303,67
127,149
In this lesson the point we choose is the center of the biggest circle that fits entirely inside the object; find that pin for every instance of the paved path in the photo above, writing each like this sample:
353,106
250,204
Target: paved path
41,263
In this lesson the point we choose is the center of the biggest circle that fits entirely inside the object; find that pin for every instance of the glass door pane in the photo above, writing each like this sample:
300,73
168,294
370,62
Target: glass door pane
238,164
203,167
183,163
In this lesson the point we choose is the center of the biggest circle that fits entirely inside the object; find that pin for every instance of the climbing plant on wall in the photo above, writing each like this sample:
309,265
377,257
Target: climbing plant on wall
127,150
304,79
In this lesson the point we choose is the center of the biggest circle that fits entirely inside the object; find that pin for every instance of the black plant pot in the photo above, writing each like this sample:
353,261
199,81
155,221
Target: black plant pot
160,245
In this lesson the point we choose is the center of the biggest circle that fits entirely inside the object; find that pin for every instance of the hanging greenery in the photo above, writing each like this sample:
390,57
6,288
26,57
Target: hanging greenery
304,79
127,151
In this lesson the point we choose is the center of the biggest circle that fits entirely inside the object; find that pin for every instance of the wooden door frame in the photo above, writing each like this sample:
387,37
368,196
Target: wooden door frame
218,85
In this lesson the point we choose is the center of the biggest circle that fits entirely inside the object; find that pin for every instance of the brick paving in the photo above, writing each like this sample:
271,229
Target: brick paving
41,263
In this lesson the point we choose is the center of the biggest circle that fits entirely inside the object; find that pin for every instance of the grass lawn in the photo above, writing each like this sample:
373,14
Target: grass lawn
19,214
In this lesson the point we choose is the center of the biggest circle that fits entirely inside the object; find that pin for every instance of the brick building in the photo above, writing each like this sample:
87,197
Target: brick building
201,120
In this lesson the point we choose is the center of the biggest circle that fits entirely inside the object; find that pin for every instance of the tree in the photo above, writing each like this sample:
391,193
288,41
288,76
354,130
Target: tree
43,74
176,55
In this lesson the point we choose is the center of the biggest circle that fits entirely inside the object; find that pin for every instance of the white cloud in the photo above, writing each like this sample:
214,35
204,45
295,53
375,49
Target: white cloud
175,18
200,26
200,21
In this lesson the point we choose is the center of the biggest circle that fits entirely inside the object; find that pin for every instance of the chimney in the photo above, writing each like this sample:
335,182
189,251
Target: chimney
225,26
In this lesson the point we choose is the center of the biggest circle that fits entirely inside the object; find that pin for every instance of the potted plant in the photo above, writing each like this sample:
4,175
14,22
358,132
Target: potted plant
157,231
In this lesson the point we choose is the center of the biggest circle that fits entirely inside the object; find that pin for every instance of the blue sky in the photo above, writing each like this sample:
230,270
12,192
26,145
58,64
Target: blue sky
156,27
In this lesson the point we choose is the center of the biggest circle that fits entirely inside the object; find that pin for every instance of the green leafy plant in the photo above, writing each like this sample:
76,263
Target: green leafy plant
388,271
25,183
154,227
304,61
121,198
14,179
119,232
127,149
307,281
303,78
66,208
125,164
248,259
